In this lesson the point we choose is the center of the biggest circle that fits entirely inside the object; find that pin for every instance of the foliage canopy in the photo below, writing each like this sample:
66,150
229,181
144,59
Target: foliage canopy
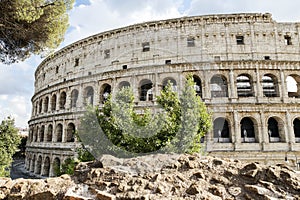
117,127
31,27
9,141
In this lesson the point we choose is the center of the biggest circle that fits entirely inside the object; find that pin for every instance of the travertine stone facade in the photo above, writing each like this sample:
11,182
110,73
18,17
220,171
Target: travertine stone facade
246,68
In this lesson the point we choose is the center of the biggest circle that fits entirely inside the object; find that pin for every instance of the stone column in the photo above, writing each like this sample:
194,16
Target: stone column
258,84
237,138
232,93
290,132
284,93
263,136
156,86
206,88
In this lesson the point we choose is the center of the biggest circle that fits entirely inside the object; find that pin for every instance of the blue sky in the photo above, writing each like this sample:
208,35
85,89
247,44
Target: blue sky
93,16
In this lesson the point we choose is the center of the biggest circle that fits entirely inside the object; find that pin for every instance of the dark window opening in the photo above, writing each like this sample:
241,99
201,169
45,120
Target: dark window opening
221,130
273,130
240,40
76,62
57,70
89,73
247,130
190,41
146,46
288,40
74,98
267,58
167,62
197,86
106,53
124,66
105,92
146,93
297,129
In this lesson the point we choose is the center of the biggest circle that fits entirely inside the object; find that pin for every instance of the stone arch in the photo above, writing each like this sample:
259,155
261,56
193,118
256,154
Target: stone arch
197,85
42,133
36,132
172,81
71,132
49,133
221,130
88,95
56,166
74,98
218,86
123,84
244,85
276,129
53,102
46,168
270,85
146,90
59,132
105,92
32,166
62,100
41,106
249,129
46,104
293,85
38,165
296,126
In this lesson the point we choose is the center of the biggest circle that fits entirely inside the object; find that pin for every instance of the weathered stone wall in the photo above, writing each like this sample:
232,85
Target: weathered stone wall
240,63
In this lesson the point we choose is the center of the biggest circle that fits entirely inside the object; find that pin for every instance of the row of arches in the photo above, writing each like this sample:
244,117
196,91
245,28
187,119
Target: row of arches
48,133
218,88
42,166
249,130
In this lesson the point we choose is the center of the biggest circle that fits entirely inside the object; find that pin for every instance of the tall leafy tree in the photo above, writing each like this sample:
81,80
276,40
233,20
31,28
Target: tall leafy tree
31,27
9,141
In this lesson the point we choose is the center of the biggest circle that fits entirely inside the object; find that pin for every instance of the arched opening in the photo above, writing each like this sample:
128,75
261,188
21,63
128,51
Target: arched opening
42,133
53,102
197,85
56,166
89,95
146,90
41,106
59,132
49,133
124,84
244,86
293,86
32,166
71,132
74,98
247,130
270,86
221,130
39,165
297,129
218,86
273,130
104,92
46,168
46,104
36,133
173,83
62,100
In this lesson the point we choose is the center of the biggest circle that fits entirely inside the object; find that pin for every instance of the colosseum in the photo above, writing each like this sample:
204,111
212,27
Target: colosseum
246,68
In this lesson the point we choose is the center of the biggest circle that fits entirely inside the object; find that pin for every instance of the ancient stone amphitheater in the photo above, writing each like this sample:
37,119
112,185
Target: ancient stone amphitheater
246,68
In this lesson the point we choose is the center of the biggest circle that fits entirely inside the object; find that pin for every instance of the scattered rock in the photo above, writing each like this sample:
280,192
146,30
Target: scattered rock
161,176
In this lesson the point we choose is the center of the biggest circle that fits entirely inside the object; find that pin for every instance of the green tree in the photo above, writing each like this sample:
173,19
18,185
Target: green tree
31,27
9,141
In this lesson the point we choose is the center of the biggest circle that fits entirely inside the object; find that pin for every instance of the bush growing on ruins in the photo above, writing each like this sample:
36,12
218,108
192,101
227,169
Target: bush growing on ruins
178,128
9,141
